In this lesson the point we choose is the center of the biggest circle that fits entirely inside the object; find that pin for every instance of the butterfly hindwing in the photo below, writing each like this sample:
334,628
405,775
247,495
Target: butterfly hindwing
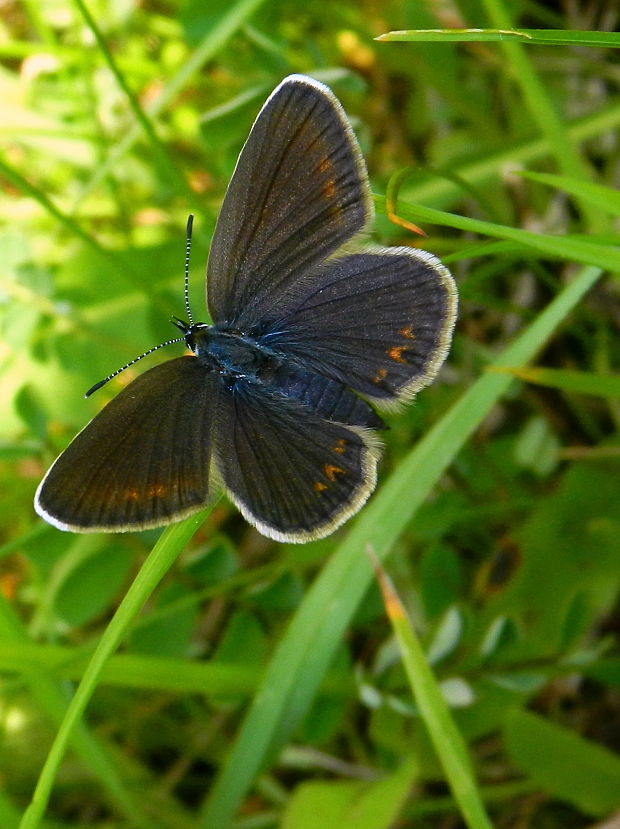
143,460
298,193
379,321
294,475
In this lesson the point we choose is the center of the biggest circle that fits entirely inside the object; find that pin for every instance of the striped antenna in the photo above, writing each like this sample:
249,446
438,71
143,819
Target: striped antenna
130,363
183,326
188,244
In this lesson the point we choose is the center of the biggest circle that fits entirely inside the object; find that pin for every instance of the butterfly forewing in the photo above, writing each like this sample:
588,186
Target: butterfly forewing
299,191
292,474
143,460
379,321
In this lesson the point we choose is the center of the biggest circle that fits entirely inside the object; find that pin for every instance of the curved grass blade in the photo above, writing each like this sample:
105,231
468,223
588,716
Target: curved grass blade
308,647
164,553
606,257
446,737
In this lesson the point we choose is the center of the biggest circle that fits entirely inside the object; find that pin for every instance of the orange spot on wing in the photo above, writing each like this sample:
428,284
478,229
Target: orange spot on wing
380,375
340,446
331,471
329,189
407,332
396,353
319,487
153,491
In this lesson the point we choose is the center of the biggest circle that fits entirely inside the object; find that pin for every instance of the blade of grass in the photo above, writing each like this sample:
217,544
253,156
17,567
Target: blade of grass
51,698
605,257
164,553
604,198
132,273
165,163
531,37
480,171
583,382
313,636
446,737
543,111
130,670
235,16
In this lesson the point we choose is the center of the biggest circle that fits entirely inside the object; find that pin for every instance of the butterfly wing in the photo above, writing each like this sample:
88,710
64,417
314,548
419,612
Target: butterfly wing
143,460
294,475
299,191
379,321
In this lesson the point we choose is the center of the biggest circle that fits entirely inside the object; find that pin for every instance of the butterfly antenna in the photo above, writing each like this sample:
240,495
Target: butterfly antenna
188,244
130,363
176,321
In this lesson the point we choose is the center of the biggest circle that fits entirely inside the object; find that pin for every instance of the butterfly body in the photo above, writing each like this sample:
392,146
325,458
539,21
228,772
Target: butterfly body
276,402
239,359
231,354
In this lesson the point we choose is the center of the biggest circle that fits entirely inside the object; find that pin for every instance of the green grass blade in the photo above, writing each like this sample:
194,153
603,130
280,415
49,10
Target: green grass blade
164,553
543,110
484,170
602,256
530,37
166,165
129,670
541,107
235,16
582,382
308,647
51,698
446,737
604,198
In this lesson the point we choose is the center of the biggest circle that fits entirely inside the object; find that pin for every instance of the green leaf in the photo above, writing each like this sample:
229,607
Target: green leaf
169,632
350,805
537,447
564,764
243,641
92,584
446,636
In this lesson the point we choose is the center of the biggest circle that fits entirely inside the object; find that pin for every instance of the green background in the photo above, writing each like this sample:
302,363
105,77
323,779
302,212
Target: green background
262,685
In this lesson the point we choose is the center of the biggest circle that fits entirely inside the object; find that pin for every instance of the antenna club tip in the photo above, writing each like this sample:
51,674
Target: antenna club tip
98,385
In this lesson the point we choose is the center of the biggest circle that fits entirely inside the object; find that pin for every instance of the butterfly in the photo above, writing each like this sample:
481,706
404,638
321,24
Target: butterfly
277,400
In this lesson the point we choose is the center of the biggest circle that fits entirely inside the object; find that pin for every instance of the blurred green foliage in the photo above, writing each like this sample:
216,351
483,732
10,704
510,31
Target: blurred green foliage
116,121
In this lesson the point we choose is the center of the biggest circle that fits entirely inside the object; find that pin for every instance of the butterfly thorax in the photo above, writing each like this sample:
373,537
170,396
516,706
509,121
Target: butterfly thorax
231,353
